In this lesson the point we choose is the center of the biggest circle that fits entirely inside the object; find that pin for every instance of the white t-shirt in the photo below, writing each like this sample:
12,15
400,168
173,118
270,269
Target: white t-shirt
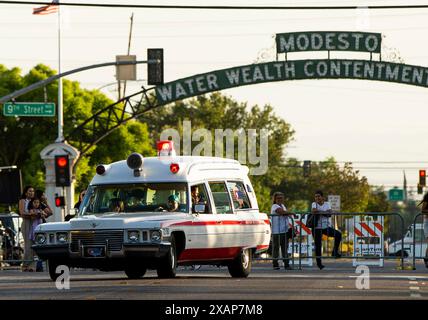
279,223
323,222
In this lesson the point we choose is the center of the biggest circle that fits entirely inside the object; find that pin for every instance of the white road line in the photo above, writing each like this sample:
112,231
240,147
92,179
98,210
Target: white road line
414,288
415,295
413,282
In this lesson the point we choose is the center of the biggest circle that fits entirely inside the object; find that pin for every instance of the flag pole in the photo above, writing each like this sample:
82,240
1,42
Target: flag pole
60,102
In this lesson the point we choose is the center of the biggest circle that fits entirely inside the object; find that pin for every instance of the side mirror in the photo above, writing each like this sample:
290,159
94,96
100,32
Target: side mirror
199,208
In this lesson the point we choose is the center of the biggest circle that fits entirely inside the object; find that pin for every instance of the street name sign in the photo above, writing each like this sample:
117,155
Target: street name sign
29,109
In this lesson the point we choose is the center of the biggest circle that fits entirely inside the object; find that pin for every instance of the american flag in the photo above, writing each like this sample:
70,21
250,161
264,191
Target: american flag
50,8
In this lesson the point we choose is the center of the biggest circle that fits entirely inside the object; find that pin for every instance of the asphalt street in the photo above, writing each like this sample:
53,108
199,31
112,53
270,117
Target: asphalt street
337,281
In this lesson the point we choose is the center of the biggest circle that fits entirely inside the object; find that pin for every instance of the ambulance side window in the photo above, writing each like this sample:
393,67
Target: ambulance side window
199,195
238,194
220,197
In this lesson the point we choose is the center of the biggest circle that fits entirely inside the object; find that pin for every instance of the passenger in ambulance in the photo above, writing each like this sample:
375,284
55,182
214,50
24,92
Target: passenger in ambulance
117,205
198,198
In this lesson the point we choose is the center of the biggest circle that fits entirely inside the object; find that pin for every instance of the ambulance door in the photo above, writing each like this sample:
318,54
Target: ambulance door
203,234
229,229
250,232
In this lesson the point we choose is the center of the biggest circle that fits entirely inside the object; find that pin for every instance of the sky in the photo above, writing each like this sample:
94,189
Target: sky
378,126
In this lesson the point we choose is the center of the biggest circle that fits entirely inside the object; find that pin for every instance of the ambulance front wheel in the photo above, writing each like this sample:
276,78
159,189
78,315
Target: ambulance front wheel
135,271
240,267
168,265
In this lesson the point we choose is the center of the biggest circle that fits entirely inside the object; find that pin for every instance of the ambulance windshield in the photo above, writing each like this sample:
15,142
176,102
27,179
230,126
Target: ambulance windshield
135,198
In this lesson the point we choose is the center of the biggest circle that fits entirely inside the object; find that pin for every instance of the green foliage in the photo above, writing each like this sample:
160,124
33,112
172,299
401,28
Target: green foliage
23,138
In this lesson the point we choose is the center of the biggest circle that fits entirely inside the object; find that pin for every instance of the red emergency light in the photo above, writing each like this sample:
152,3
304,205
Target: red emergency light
165,148
174,167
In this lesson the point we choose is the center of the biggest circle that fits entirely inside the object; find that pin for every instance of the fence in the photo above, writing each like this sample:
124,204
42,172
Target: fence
363,239
11,240
361,235
418,246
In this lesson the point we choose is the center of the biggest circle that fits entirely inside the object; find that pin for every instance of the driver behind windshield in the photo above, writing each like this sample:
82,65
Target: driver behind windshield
173,203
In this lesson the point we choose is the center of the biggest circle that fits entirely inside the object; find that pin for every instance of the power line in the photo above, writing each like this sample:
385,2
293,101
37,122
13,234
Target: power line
196,7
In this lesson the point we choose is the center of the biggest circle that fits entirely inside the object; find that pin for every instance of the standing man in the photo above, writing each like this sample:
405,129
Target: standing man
280,227
323,210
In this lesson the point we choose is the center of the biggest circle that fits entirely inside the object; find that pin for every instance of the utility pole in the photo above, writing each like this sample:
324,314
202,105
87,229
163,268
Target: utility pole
129,48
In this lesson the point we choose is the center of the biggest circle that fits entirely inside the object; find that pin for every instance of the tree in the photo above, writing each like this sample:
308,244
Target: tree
217,111
23,138
329,177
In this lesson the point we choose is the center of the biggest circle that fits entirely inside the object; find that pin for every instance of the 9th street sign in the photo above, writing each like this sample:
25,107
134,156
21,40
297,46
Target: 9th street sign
29,109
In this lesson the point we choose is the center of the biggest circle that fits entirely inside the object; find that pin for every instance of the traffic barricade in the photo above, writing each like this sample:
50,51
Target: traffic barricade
369,240
11,240
417,232
362,237
302,249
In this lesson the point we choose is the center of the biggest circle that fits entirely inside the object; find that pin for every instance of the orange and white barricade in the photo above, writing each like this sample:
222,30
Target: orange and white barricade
305,248
368,240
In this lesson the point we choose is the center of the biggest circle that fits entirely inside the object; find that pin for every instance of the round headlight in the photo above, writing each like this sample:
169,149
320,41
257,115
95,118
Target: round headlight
156,235
133,236
40,238
62,237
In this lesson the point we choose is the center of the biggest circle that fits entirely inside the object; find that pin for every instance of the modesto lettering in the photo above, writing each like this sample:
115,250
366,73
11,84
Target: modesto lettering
326,41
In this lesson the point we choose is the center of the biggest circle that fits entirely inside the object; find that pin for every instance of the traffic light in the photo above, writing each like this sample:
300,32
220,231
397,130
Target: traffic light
420,189
422,177
59,201
306,168
62,171
155,70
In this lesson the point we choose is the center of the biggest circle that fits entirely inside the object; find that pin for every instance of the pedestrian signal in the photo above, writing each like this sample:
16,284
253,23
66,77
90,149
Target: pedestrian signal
59,201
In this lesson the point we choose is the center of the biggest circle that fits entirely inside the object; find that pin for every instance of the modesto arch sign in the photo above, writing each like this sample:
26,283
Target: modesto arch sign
301,69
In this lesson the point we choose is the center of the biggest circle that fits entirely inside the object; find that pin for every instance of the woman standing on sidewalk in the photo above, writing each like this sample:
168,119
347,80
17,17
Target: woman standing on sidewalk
26,197
424,211
280,227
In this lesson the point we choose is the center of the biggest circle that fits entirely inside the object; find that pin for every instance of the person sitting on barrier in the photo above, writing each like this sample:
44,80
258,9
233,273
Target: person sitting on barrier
424,211
280,226
323,226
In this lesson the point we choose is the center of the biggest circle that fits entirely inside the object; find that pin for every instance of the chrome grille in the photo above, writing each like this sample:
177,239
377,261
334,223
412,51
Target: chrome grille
114,239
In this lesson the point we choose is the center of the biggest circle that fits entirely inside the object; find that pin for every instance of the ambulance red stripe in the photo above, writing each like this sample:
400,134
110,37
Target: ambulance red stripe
209,254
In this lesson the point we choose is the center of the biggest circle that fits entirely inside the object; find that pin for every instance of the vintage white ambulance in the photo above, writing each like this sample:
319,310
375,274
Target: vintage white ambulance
160,212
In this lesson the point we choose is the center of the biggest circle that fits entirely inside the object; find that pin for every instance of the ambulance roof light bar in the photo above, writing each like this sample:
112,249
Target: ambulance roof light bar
166,148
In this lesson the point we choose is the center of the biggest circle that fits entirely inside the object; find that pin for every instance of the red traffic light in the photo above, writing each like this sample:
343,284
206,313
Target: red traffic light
422,178
62,161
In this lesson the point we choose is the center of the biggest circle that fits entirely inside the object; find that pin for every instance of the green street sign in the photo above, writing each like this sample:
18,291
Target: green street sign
29,109
396,195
